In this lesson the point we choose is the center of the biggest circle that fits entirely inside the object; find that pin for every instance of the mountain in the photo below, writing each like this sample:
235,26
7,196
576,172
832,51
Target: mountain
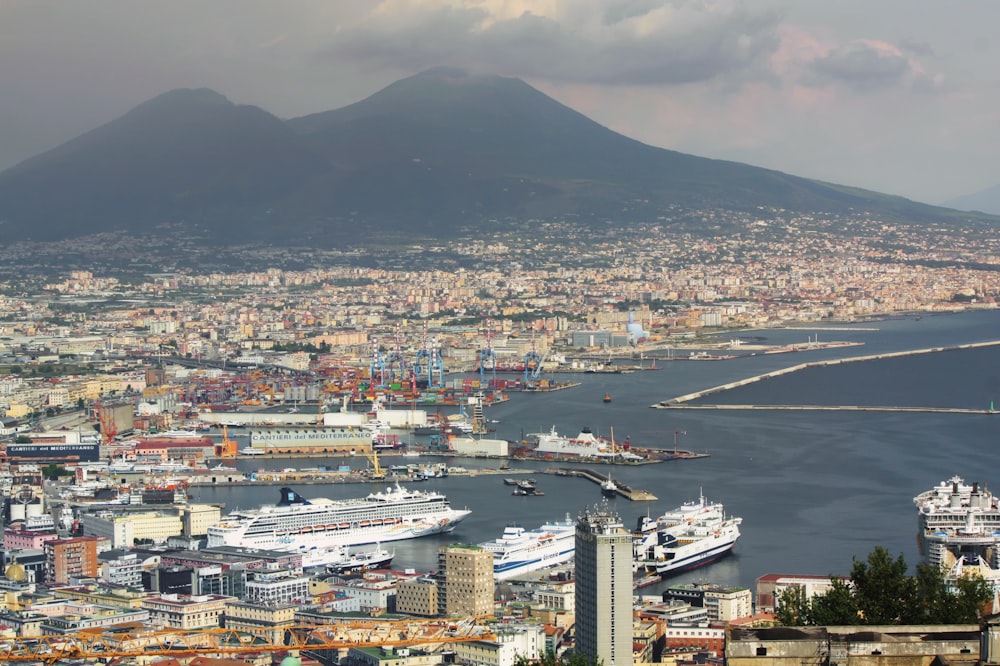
986,201
422,157
188,156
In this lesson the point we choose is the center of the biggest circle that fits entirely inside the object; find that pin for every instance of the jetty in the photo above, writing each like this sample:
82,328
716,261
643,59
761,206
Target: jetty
624,490
680,402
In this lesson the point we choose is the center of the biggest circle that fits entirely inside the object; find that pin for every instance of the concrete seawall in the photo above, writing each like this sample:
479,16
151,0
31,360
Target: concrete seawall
680,401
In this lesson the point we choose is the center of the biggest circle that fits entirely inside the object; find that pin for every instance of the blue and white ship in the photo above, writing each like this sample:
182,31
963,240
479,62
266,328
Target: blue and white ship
519,551
692,535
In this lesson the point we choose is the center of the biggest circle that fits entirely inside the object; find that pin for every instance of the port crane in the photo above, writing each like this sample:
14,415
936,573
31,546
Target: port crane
488,357
377,370
532,362
376,473
396,362
227,448
114,644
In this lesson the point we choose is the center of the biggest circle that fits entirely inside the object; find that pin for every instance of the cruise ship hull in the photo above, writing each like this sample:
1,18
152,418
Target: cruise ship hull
392,515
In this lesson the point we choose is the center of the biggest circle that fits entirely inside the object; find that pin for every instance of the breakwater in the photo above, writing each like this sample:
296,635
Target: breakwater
680,402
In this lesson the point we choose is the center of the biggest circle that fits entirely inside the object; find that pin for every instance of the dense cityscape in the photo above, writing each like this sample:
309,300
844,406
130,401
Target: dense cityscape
121,377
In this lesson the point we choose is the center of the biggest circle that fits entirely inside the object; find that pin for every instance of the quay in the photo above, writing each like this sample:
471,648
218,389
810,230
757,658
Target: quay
626,491
678,402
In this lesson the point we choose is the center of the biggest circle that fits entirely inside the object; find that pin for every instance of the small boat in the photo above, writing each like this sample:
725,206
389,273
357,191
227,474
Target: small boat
510,482
609,488
607,397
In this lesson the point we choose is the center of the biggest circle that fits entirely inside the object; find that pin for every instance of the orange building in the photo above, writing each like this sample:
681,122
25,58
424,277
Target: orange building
71,558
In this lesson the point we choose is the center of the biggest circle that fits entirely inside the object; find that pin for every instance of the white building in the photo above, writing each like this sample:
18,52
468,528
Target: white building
124,530
277,588
527,642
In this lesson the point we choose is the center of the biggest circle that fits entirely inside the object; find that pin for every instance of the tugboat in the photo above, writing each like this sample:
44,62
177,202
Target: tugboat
607,397
609,488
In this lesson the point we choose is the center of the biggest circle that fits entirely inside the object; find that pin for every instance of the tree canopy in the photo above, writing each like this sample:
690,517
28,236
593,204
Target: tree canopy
880,592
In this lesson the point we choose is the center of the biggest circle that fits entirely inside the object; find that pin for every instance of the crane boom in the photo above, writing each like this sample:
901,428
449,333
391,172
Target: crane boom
111,644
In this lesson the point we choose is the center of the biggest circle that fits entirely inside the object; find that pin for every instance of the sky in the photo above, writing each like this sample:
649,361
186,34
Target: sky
897,96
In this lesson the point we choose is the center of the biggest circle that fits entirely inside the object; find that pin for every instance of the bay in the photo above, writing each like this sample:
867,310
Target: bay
815,489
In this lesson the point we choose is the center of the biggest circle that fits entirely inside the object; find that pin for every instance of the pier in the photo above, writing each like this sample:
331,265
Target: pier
680,401
624,490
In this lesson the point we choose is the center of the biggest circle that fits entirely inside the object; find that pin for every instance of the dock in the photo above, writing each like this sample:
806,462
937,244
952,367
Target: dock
624,490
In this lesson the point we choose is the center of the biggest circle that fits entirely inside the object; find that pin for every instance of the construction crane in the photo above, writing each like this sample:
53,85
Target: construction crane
113,644
376,472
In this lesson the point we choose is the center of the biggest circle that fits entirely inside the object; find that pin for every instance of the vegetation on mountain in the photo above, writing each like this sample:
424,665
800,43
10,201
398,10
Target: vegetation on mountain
880,592
430,155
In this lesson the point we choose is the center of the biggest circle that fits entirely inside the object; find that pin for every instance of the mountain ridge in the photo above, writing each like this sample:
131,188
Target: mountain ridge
424,156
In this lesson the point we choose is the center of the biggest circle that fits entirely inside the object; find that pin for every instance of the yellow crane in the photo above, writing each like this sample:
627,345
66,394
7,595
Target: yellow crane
114,644
376,471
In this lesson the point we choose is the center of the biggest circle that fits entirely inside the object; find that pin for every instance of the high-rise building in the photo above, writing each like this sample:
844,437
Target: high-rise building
71,558
465,581
603,587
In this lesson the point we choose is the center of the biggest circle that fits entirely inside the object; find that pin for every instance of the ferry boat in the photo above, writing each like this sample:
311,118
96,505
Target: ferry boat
388,515
585,445
519,551
959,524
692,535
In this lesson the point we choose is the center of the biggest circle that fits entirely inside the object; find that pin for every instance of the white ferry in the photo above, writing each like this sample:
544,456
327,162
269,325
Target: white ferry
295,522
520,551
692,535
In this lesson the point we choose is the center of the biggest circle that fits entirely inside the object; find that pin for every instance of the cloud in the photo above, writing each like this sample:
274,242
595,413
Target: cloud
645,42
867,65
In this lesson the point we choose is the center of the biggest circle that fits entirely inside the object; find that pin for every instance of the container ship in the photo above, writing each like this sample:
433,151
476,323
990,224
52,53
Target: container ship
692,535
959,525
295,522
519,551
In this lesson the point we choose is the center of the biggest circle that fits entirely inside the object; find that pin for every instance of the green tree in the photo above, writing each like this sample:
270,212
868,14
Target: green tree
883,591
793,607
837,607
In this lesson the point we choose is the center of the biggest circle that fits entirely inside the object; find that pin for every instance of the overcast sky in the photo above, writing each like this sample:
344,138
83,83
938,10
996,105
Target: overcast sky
898,96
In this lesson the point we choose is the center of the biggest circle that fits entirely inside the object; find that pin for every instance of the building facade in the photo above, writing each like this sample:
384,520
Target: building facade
66,559
465,581
604,587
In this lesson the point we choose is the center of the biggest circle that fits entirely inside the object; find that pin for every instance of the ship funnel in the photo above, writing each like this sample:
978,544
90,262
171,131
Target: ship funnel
289,497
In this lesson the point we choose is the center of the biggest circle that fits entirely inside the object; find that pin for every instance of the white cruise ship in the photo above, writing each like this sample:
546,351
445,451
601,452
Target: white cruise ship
519,551
295,522
959,524
692,535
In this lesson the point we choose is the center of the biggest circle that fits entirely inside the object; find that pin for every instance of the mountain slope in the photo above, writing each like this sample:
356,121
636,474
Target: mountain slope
185,156
422,157
987,201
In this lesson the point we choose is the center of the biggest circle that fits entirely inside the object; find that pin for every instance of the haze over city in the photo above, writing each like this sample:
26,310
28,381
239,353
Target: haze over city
897,97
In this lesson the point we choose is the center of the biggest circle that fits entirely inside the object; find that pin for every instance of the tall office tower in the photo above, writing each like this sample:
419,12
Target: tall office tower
465,581
603,587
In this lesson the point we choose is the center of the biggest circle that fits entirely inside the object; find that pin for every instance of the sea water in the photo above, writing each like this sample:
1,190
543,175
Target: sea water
815,489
